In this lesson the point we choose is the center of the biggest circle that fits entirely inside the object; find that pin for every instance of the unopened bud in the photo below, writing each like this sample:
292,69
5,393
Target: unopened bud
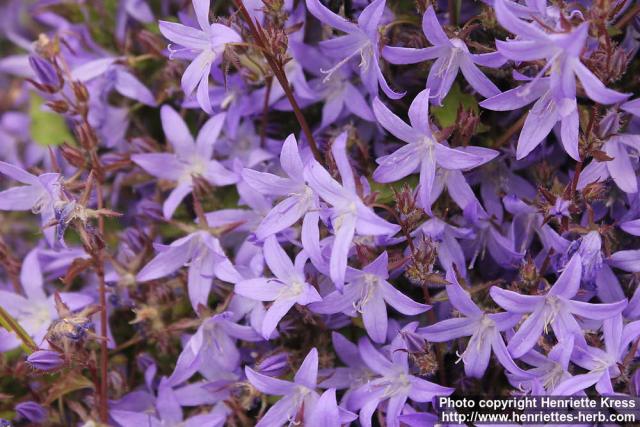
31,411
45,72
274,365
59,106
80,91
45,360
72,155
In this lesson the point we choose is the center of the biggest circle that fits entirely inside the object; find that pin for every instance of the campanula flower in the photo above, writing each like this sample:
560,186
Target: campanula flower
451,55
190,158
204,46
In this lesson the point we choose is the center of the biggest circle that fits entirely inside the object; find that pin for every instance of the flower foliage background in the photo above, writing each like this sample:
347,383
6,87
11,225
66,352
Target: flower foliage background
314,212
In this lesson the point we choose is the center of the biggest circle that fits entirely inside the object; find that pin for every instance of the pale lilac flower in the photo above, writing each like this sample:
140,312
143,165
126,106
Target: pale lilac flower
288,288
451,55
423,152
297,394
362,41
206,259
556,94
555,308
203,45
349,215
212,349
114,76
139,10
484,329
547,372
35,310
299,198
603,364
394,383
167,411
620,168
368,292
189,158
39,195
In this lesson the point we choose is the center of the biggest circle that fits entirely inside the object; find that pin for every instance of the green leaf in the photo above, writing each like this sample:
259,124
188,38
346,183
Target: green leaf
447,114
385,191
47,127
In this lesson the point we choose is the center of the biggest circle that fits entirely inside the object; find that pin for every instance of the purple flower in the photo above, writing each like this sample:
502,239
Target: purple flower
296,395
451,55
35,310
39,195
190,157
136,9
288,288
368,292
423,152
484,329
204,46
299,198
393,383
362,41
620,168
115,76
212,349
206,260
556,94
349,215
603,364
555,308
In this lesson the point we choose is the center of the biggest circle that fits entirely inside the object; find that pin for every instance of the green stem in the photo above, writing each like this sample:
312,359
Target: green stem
10,324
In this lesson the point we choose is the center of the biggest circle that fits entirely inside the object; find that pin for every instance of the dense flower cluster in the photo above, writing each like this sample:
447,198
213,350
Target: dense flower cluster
319,213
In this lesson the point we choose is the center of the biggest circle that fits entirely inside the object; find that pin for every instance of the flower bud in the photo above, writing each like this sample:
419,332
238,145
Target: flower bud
31,411
45,360
45,72
274,365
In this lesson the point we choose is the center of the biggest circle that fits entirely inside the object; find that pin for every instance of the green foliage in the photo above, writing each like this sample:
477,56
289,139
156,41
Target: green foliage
47,127
447,114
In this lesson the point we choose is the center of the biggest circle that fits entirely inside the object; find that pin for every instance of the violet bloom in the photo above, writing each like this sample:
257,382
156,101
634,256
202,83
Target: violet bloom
167,411
368,292
35,310
212,350
139,10
556,94
38,195
349,215
547,372
299,198
603,364
620,168
204,46
555,308
189,158
484,329
298,394
451,55
423,152
115,77
394,382
205,257
288,288
361,40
